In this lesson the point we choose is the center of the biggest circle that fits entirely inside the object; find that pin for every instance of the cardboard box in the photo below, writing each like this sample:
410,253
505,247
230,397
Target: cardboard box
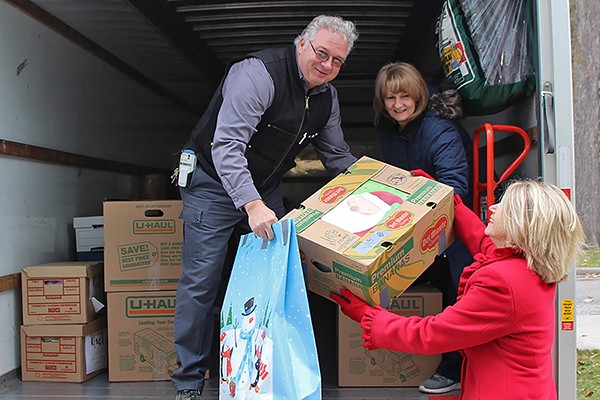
89,238
142,245
63,353
373,230
140,336
358,366
69,292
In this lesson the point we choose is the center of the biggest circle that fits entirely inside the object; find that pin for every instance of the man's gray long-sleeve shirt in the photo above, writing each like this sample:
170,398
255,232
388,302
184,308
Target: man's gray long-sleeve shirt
248,91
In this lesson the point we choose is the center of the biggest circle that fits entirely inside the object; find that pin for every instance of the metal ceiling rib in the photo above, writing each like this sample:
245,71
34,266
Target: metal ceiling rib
244,26
183,45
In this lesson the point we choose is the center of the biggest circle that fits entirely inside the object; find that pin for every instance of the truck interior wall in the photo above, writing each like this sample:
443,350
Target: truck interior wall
58,96
65,98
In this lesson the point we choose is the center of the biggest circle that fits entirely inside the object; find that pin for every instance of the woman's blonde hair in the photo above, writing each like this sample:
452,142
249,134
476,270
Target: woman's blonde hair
540,220
400,77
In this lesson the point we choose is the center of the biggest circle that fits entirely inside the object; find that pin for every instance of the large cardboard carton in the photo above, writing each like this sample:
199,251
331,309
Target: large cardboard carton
63,353
140,336
69,292
89,237
142,245
358,366
373,230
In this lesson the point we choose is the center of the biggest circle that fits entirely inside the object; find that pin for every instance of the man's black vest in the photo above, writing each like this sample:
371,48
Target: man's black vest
292,121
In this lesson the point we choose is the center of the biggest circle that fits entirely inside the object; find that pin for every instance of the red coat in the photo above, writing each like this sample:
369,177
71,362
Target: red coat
503,321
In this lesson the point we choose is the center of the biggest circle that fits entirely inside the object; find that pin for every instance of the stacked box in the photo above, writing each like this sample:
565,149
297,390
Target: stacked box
62,292
63,337
142,245
142,255
63,353
358,366
373,230
89,237
141,336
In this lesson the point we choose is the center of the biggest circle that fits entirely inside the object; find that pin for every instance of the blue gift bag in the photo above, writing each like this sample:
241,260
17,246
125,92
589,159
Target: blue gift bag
267,343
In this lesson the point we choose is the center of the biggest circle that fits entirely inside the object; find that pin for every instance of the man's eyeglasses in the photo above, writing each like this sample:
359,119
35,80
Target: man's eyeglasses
323,56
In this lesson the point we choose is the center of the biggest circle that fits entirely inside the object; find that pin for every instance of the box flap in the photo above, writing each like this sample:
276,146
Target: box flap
66,269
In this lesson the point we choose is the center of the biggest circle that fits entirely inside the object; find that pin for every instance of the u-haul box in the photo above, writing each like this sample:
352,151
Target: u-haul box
140,336
358,366
373,230
142,245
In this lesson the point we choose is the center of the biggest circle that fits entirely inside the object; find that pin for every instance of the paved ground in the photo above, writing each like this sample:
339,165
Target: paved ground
587,305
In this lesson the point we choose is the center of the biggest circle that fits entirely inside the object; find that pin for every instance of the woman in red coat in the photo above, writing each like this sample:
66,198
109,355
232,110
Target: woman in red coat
504,318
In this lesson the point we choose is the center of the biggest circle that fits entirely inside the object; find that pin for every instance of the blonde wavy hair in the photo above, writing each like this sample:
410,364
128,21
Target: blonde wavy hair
400,77
539,220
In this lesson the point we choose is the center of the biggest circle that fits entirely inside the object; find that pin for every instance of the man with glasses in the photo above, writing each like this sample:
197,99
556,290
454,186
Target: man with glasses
268,107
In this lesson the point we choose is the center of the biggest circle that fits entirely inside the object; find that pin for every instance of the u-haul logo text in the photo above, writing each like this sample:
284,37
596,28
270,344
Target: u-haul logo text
150,306
145,227
407,305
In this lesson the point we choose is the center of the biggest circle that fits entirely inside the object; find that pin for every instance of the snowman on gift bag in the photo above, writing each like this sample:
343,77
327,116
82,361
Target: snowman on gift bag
246,356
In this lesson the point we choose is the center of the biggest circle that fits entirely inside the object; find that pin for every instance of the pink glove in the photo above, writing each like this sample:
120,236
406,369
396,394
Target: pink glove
351,305
420,172
457,200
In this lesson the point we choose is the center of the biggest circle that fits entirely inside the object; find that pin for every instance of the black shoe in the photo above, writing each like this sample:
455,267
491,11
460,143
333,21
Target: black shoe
188,394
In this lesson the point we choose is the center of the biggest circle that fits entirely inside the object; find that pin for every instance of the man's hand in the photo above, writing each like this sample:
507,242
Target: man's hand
260,219
351,305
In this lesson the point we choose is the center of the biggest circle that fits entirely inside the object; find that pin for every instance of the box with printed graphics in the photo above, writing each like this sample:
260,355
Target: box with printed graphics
68,292
373,230
142,245
63,353
358,366
140,336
